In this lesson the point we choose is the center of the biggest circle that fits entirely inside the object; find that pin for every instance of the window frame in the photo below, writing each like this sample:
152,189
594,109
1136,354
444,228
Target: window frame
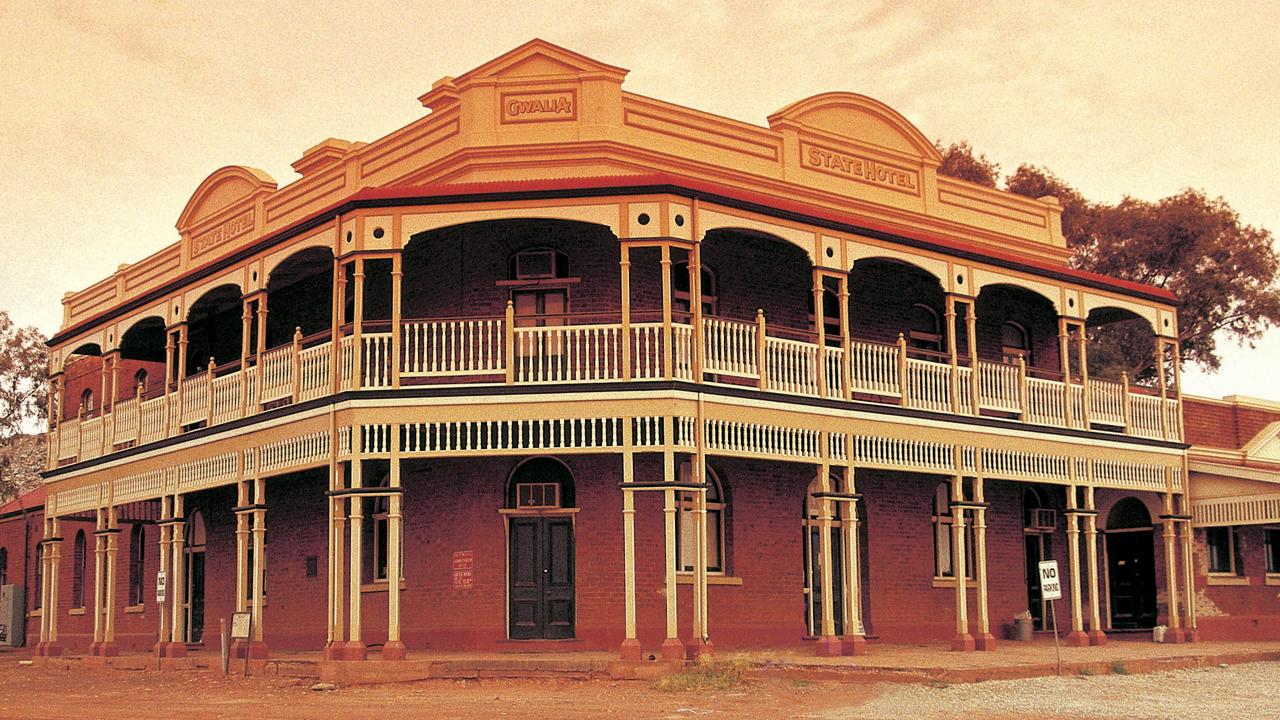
1011,353
942,521
681,301
716,512
921,339
1271,549
79,563
137,565
1234,567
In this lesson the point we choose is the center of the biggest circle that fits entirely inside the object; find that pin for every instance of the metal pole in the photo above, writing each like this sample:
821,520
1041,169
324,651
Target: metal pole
1057,649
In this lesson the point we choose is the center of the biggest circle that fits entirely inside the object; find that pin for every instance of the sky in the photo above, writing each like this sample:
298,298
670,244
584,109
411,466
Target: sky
113,112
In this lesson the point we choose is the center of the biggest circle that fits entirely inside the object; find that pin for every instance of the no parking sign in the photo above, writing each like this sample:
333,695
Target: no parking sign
1050,584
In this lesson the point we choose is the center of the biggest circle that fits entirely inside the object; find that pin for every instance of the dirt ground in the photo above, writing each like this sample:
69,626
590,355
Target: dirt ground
48,694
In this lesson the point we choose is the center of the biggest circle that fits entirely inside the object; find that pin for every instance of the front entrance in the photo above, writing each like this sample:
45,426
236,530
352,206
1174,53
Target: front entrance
1131,567
813,579
540,560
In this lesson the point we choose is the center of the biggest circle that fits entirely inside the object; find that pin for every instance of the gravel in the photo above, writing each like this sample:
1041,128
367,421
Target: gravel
1240,691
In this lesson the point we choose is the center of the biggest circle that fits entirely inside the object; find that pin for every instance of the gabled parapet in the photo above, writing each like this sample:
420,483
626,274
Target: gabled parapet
224,208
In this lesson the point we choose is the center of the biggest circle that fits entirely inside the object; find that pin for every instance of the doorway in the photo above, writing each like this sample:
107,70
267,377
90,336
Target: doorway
1131,576
542,593
194,556
813,561
1039,523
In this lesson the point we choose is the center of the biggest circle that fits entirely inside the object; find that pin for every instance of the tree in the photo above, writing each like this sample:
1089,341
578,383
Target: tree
1223,271
23,398
959,161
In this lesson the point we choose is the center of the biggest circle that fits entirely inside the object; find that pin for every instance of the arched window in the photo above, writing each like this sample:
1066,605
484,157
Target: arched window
686,528
923,329
541,484
78,560
943,548
4,566
137,558
86,402
1015,342
140,382
813,557
830,313
378,509
680,289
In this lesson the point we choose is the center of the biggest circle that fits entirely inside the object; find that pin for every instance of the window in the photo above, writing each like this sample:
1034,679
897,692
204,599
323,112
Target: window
77,571
140,382
137,558
38,600
86,402
1015,343
1271,538
4,566
830,314
537,495
1223,548
923,329
943,552
538,264
376,534
680,289
686,527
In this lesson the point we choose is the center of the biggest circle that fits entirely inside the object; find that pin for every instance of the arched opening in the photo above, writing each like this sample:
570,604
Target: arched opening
544,267
944,551
755,270
193,553
1013,322
681,304
1039,522
1131,572
888,297
81,371
214,329
142,359
540,550
686,528
300,296
1120,343
813,570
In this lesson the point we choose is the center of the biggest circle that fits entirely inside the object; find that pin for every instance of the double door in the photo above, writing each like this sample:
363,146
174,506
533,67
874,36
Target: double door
540,563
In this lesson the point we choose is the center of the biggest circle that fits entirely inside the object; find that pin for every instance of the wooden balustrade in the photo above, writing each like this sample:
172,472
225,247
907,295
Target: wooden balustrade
568,353
729,347
442,348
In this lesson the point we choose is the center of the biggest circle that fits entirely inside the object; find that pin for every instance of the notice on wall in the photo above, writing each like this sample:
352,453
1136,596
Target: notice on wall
462,566
162,585
1050,584
240,624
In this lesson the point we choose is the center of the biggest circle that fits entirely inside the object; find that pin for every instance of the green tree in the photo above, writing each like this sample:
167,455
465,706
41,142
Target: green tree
23,399
1223,271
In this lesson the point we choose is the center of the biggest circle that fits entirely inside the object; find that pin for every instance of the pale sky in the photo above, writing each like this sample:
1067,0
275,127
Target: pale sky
113,112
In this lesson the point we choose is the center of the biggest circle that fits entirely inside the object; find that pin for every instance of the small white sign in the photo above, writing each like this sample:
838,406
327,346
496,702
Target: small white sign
162,585
1050,583
240,624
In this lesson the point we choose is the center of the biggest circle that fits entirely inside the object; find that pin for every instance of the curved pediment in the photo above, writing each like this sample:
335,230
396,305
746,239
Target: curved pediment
225,187
858,118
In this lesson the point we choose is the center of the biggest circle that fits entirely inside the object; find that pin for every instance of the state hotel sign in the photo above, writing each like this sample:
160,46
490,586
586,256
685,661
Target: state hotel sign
862,169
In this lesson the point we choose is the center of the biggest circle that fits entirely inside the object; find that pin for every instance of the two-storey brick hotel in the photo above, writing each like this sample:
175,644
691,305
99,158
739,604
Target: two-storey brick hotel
559,363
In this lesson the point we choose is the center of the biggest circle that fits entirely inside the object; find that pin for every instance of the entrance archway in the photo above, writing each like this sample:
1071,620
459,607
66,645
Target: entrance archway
540,510
1131,566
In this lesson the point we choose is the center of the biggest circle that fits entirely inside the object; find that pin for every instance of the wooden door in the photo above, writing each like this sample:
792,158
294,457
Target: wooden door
541,570
1132,573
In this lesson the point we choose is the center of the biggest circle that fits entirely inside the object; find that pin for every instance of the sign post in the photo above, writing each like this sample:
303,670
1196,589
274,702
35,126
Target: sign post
1051,590
242,629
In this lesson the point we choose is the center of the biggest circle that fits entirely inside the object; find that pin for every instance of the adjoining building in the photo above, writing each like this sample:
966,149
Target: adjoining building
559,363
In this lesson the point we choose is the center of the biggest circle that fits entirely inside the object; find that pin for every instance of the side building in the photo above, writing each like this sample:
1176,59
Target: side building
562,363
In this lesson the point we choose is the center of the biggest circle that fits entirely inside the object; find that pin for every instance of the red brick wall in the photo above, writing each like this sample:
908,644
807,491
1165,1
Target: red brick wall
1238,612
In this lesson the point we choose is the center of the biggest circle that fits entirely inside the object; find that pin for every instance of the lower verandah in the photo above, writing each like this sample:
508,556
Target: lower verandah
764,578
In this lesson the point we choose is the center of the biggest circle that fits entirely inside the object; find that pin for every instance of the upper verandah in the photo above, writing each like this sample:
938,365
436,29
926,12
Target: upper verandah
541,111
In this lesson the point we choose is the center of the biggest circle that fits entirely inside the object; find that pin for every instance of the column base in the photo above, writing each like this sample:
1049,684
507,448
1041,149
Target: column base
393,651
1077,638
1097,637
170,649
672,649
104,649
48,649
1191,635
333,650
830,646
355,650
984,641
699,649
963,642
257,649
1174,636
854,645
630,650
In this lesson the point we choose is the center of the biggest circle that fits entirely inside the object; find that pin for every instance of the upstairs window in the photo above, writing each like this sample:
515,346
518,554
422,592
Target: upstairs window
830,314
923,329
543,302
86,402
539,264
1015,343
140,382
680,291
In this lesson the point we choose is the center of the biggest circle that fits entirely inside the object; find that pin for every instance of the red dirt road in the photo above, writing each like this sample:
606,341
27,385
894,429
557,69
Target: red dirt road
40,693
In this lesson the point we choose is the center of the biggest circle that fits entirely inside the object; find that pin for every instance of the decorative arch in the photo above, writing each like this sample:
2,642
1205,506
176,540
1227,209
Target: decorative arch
710,221
1128,513
983,279
605,216
540,483
857,117
858,252
144,340
318,241
214,327
222,188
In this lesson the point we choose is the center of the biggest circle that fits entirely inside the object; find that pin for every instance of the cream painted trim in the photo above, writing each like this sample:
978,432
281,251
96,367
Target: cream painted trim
1228,579
380,586
970,583
1234,471
605,214
75,611
134,609
1272,579
323,239
684,577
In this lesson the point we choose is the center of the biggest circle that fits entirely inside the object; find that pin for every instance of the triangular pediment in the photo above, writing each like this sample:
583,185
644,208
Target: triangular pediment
539,58
1265,445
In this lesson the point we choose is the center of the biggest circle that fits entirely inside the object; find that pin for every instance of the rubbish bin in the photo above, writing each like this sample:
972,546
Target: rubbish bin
1022,629
1157,633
